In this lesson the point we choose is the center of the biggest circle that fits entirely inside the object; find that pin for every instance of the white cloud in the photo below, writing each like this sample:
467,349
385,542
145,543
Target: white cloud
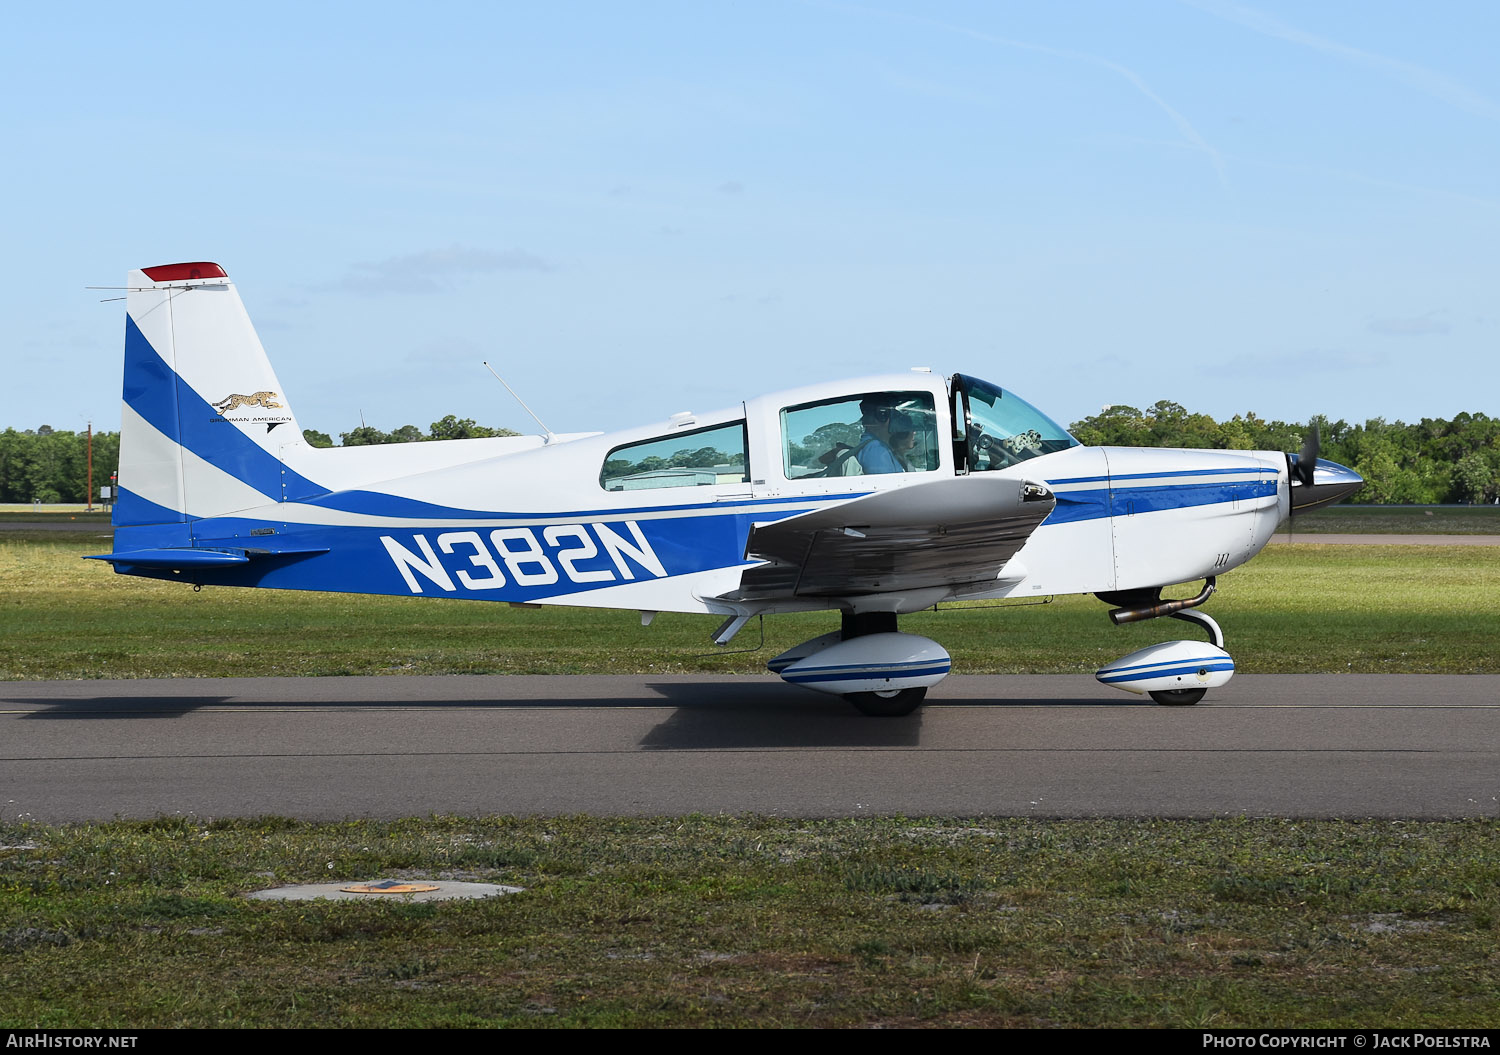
1421,326
1184,127
1438,85
433,270
1293,364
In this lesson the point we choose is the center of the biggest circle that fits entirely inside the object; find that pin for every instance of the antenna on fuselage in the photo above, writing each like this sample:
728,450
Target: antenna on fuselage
549,433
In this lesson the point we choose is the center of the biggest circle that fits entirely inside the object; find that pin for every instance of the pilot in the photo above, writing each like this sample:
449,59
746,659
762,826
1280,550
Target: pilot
880,419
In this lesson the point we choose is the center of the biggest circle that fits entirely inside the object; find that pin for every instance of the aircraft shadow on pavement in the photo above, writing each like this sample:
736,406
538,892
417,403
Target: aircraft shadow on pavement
738,716
116,707
1111,703
741,716
772,700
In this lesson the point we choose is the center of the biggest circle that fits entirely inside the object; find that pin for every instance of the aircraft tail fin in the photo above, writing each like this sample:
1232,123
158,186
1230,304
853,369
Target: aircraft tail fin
204,418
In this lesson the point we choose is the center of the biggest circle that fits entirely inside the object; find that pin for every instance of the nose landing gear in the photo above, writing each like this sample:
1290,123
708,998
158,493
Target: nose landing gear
1174,673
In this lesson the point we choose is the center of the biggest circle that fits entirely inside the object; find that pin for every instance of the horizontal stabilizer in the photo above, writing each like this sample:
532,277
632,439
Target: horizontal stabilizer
174,558
202,557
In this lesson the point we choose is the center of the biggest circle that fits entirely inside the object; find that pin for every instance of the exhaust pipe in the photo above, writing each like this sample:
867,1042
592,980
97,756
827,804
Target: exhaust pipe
1138,605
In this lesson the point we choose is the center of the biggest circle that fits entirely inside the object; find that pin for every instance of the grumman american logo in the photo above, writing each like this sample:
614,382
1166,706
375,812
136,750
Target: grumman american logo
580,553
258,399
262,398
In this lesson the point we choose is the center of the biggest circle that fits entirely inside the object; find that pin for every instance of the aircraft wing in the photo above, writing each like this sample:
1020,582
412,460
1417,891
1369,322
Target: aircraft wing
950,532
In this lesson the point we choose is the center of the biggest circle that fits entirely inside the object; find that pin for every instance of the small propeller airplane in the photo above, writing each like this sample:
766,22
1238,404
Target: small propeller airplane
874,497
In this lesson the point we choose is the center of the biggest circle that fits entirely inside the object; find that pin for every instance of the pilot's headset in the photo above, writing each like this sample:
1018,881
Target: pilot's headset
876,410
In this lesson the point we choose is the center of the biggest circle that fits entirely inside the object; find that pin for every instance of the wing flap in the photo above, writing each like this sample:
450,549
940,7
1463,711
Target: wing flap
951,532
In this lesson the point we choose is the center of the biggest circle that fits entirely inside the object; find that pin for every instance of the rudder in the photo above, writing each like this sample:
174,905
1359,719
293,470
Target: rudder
204,416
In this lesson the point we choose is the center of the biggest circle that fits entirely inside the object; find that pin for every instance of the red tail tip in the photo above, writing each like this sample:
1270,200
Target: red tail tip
184,272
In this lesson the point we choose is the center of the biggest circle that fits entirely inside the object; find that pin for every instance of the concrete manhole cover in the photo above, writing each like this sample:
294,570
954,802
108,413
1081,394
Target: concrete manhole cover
404,889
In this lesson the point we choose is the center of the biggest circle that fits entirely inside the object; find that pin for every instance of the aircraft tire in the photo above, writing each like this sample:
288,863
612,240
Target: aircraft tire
1178,697
881,705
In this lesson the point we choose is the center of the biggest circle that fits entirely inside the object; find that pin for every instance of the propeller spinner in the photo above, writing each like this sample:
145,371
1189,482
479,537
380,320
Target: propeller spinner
1317,482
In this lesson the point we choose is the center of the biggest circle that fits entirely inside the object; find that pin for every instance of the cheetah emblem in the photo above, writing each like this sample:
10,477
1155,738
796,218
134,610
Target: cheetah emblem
259,399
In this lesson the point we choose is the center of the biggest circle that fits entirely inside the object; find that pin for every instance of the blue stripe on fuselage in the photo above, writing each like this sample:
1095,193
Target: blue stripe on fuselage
377,503
1095,503
1242,471
521,563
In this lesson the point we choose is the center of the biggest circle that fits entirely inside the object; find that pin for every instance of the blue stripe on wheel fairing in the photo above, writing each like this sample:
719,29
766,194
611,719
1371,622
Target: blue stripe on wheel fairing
863,671
1143,675
1205,661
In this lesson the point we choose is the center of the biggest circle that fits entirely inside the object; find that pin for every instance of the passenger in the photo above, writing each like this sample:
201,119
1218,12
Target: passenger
904,447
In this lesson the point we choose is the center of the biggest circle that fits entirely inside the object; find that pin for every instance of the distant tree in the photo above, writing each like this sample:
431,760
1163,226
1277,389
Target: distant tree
1475,478
1386,483
824,438
53,465
363,436
700,458
1434,460
1401,463
1114,426
453,427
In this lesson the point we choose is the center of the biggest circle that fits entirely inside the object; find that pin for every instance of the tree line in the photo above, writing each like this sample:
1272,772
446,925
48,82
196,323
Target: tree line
1432,461
51,465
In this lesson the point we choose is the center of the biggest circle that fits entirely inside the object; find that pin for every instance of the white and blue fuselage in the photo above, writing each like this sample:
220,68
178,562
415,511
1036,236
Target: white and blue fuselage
699,513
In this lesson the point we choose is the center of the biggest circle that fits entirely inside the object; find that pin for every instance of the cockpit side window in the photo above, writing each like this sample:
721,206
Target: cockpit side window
994,428
684,459
866,434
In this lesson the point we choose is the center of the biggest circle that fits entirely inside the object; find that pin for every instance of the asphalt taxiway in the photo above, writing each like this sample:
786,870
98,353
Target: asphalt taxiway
1396,746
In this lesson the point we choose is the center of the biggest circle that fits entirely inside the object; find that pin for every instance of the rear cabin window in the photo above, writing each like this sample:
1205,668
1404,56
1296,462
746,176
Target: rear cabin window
861,435
684,459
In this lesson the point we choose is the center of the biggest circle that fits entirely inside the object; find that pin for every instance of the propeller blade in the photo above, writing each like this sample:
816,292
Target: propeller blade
1307,458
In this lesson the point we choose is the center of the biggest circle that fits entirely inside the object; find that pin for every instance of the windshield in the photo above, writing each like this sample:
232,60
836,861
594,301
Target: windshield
995,428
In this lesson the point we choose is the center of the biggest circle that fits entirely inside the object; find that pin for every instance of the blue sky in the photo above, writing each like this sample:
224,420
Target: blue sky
635,209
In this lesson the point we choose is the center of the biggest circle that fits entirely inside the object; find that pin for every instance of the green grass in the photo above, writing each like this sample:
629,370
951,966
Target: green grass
1399,520
749,921
1298,608
15,512
754,921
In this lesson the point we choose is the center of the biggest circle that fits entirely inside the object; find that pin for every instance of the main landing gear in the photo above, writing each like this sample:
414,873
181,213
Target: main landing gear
892,703
879,670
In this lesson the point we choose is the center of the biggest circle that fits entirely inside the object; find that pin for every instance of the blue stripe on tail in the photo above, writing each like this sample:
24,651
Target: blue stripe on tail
157,393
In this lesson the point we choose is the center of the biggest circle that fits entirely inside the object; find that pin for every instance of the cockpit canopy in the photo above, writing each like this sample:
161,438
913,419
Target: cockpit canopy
993,428
825,432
